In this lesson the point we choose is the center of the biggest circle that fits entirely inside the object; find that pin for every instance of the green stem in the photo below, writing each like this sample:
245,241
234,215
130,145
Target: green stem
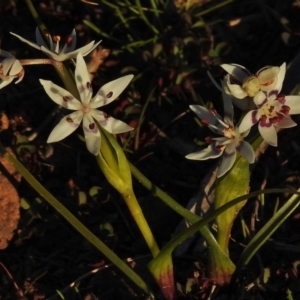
188,215
114,164
36,17
62,71
137,213
84,231
67,79
204,12
144,18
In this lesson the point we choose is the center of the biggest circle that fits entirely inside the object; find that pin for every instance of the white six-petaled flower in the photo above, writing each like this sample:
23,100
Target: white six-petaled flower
243,86
10,69
54,50
241,83
227,145
85,109
273,110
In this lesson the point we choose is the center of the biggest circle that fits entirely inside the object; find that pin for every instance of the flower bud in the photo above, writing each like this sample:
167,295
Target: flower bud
10,68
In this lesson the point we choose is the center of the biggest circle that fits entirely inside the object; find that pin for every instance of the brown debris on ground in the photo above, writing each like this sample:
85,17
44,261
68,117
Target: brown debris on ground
9,202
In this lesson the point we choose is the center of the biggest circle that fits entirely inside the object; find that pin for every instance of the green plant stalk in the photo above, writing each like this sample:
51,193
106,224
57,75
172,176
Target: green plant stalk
36,17
144,18
235,183
218,259
141,119
112,155
118,12
164,257
156,191
99,31
204,12
263,235
72,220
137,213
69,83
67,79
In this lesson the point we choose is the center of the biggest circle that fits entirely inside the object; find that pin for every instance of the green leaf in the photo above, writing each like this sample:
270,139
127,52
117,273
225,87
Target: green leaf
264,234
82,198
121,160
24,203
94,191
83,230
233,184
199,24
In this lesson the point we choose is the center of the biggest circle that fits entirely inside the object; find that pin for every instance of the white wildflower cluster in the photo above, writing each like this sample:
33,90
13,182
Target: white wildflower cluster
85,109
260,98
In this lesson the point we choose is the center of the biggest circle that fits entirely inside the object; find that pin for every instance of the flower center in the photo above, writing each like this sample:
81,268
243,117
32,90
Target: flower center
251,85
229,132
85,108
274,111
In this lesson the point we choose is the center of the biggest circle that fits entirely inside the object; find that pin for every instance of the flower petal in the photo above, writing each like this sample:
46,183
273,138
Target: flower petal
110,91
4,83
5,54
269,134
236,90
39,39
7,63
85,50
287,122
228,159
294,104
237,71
280,77
50,53
207,153
248,121
110,124
60,95
260,98
16,68
26,41
65,127
93,143
89,125
82,79
70,46
91,134
268,77
206,116
116,126
21,76
228,107
246,151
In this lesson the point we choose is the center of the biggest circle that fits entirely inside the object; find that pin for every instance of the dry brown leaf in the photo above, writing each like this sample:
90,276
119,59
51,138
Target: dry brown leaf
4,122
96,59
9,202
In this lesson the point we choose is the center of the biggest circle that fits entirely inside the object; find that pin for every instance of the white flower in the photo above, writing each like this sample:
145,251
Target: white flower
227,145
241,84
85,110
54,50
273,110
10,68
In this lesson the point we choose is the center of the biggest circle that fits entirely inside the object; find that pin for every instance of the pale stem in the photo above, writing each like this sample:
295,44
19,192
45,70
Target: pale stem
138,215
